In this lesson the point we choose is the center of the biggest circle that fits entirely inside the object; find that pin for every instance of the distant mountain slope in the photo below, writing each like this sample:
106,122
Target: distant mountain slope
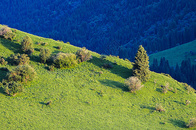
89,96
177,54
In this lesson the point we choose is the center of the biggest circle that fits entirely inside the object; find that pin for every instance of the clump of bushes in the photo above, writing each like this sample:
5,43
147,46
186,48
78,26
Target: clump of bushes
165,88
12,87
2,61
21,73
134,84
64,60
44,54
6,33
27,45
192,123
159,108
19,59
83,55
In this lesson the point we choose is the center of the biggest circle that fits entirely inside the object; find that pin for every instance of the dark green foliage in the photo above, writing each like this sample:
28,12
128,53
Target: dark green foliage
2,61
21,73
12,87
192,123
64,60
134,84
59,47
19,59
44,54
83,55
141,66
107,65
6,33
27,45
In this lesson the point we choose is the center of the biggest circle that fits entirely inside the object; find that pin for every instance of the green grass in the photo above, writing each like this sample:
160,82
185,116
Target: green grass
82,98
177,54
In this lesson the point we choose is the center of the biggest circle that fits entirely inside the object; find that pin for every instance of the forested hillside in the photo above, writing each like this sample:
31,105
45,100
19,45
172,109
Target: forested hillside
110,26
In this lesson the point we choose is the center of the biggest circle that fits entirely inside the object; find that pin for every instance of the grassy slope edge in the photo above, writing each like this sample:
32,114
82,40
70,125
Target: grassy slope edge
82,98
177,54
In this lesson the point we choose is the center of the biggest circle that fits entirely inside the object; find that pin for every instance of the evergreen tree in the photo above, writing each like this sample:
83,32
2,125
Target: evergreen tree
141,66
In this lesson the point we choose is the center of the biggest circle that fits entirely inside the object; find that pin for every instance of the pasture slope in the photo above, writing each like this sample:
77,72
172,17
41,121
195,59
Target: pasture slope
89,96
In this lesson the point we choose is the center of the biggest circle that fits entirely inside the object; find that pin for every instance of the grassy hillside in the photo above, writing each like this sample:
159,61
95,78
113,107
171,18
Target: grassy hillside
177,54
84,98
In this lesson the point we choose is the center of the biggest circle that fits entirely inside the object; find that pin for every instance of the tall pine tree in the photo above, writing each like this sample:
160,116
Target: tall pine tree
141,66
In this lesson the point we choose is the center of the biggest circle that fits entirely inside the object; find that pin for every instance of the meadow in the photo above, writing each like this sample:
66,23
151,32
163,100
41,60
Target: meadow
89,96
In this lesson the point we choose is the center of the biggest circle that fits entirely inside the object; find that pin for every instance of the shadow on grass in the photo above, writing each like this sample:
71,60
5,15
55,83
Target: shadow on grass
159,90
147,107
178,123
2,91
42,103
114,84
13,46
180,103
116,69
34,58
2,74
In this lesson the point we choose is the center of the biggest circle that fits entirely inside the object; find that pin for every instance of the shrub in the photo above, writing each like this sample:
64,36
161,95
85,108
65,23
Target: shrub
133,84
12,87
27,45
103,57
192,123
64,60
83,55
159,108
6,33
44,54
21,73
2,61
141,66
19,59
187,102
165,88
51,68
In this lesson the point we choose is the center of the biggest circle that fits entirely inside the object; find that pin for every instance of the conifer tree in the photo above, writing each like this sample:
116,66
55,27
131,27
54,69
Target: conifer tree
141,66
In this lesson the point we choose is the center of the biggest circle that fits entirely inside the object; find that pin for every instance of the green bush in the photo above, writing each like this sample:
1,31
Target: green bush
12,87
6,33
165,88
192,123
2,61
83,55
134,84
44,54
27,45
51,68
159,108
19,59
21,73
64,60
